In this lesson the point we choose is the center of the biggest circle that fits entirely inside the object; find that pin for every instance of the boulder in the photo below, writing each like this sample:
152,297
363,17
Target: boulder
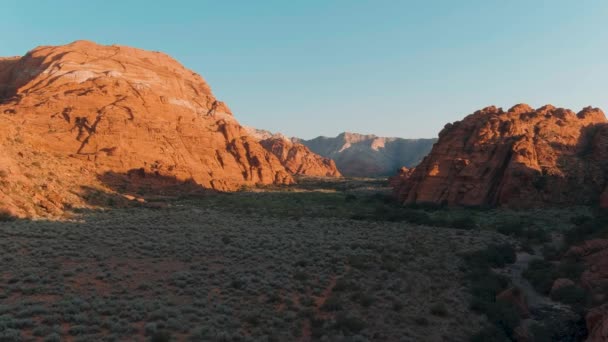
516,297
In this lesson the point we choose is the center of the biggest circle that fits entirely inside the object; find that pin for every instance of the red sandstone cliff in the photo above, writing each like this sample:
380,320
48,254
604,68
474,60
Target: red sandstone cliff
70,114
522,157
300,160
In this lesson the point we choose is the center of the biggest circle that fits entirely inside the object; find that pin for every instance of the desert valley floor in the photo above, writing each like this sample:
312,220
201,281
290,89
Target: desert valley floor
332,260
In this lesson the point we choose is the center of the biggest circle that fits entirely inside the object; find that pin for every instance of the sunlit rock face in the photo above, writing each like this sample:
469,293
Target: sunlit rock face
522,157
70,114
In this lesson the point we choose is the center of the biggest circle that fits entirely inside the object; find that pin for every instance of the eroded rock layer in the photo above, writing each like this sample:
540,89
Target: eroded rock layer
518,158
70,115
299,160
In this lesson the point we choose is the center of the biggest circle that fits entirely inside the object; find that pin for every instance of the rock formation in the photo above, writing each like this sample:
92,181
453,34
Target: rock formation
71,114
299,160
361,155
295,157
519,158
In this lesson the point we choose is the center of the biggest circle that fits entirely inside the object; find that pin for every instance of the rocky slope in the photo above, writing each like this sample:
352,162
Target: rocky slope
361,155
295,157
84,116
519,158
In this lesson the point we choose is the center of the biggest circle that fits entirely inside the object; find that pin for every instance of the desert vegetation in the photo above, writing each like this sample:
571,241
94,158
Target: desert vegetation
323,260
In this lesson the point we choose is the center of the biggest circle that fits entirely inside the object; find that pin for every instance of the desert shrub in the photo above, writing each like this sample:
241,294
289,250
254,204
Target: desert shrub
504,315
238,284
570,269
485,288
389,265
54,337
541,274
536,235
350,198
300,275
9,335
348,323
41,330
77,330
428,206
439,310
550,252
358,261
416,217
397,305
421,321
342,284
511,228
587,228
5,216
317,327
572,295
581,219
497,255
490,333
333,303
485,285
363,298
465,222
540,333
161,336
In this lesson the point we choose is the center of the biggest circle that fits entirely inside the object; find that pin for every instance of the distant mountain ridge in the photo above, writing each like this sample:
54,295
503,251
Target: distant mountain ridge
360,155
368,155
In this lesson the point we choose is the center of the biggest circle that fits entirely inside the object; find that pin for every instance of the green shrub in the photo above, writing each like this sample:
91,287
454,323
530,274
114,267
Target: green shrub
540,333
439,310
541,274
358,261
570,269
504,315
365,299
493,256
587,228
333,303
572,295
465,222
490,333
348,323
512,228
5,216
161,336
421,321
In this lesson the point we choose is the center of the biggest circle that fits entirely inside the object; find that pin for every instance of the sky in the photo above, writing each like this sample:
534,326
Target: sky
320,67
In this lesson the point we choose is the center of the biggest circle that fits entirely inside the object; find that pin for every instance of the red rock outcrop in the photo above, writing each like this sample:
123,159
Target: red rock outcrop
403,174
593,254
519,158
70,114
597,324
517,299
604,199
299,160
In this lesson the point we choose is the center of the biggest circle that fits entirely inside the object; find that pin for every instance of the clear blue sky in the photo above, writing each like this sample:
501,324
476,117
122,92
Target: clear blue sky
320,67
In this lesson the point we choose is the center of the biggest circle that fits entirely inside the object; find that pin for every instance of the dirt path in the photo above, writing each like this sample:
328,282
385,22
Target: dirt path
535,300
